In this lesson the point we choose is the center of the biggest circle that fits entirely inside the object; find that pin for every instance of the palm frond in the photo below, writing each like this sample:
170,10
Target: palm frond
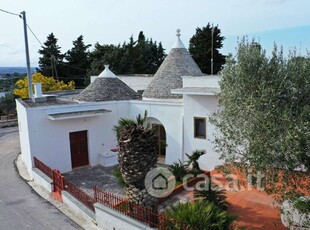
122,124
201,215
140,120
193,159
179,170
215,195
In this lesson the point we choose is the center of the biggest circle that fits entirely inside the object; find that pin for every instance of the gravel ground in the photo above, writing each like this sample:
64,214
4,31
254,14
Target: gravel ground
87,177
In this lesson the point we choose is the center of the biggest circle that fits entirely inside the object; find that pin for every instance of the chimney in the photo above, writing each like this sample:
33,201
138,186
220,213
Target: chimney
38,97
37,89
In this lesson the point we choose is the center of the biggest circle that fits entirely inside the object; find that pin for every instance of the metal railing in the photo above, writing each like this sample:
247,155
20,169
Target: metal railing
79,194
135,211
43,167
122,205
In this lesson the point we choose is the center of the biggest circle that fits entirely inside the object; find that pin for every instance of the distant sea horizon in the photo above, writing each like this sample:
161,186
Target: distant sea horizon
15,69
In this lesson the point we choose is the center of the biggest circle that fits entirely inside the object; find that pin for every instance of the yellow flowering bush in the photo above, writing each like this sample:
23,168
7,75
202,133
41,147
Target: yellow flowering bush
48,84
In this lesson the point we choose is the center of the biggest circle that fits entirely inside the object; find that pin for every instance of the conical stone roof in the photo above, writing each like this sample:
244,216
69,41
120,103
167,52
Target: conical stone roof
107,87
178,63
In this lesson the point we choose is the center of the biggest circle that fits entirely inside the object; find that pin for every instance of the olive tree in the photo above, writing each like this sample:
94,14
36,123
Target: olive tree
265,109
7,104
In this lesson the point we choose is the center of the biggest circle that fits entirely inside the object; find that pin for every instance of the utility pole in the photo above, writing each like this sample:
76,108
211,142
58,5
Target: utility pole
212,33
27,56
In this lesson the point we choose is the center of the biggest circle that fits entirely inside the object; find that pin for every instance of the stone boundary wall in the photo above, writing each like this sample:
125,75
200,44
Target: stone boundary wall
109,219
8,123
76,206
105,218
42,179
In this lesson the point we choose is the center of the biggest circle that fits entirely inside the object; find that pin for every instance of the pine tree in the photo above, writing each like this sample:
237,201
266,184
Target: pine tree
78,62
96,60
200,46
141,56
7,104
51,55
159,55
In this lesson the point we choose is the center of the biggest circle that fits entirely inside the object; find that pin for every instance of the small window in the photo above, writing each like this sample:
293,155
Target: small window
200,127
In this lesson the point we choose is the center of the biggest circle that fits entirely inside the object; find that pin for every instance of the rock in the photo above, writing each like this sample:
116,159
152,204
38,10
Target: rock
292,218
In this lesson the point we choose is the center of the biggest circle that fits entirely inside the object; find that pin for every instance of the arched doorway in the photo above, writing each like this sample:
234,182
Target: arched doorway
162,139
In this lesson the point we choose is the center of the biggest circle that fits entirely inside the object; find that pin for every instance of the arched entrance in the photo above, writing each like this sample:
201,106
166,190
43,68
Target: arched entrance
162,139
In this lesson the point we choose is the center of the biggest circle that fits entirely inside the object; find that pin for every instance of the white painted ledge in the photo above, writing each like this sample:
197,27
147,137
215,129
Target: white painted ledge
109,219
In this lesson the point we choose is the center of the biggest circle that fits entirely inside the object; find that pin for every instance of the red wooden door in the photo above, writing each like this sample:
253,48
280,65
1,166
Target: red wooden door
79,149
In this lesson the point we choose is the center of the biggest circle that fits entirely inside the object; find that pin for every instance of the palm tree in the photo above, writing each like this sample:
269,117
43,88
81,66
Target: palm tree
137,156
199,215
214,195
179,170
193,160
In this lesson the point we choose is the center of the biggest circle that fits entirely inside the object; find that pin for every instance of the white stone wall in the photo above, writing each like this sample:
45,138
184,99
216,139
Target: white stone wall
48,140
77,207
24,134
136,82
200,106
211,81
40,178
108,219
170,114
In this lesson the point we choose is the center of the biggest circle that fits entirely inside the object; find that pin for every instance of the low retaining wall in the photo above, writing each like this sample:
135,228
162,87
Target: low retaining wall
9,123
76,206
109,219
106,218
42,179
108,159
181,187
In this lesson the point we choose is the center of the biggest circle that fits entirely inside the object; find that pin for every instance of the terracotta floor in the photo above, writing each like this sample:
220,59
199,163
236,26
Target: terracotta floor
255,210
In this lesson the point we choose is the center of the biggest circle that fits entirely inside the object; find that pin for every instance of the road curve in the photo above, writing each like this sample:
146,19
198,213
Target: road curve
20,206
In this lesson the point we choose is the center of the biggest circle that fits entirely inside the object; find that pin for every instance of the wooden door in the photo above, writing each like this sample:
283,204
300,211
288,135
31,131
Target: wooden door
79,149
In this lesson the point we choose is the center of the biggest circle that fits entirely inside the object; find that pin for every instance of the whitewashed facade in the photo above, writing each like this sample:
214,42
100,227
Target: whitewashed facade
45,127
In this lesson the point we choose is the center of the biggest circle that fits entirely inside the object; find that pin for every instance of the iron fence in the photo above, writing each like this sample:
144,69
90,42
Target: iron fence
79,194
43,167
135,211
120,204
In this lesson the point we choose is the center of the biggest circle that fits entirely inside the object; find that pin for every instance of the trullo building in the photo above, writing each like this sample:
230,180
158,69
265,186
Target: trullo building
72,129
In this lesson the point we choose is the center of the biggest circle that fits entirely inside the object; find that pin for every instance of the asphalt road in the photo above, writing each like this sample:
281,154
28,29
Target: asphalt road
20,207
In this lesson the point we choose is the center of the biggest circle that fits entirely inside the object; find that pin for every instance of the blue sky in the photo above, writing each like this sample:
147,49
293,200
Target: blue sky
295,38
285,22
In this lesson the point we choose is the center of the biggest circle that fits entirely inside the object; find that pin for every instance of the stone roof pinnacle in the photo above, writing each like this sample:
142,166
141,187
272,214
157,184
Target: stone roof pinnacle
107,73
178,43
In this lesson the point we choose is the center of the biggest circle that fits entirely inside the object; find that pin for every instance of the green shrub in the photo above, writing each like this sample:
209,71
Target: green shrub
225,169
179,170
193,160
117,173
302,204
214,195
200,215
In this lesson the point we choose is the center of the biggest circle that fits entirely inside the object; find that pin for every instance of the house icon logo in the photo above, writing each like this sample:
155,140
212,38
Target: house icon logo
159,182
